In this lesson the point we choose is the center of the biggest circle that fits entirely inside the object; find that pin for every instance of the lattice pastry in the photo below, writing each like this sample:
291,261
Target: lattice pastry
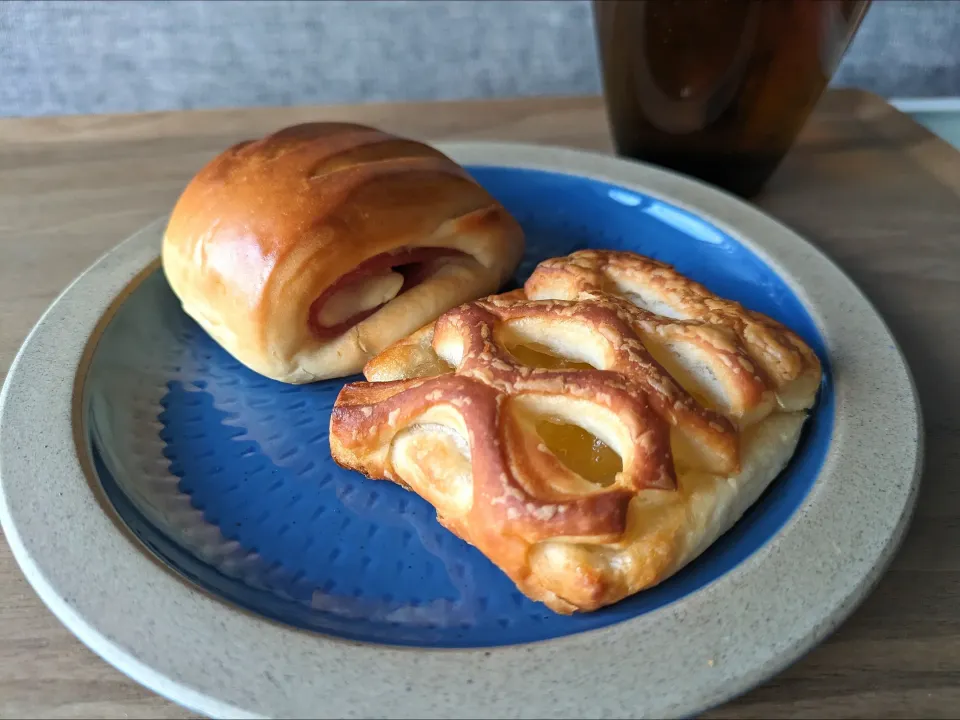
590,434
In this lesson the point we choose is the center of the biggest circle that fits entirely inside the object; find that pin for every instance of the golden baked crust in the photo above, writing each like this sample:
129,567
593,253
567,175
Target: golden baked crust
275,241
787,361
702,412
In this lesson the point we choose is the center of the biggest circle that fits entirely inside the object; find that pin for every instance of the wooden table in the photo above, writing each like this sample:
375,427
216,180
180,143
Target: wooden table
876,191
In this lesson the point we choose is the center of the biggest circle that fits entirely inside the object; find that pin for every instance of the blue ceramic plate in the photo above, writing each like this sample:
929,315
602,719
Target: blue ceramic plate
227,478
300,539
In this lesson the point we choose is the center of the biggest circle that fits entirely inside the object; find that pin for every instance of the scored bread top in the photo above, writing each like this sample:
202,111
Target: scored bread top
275,241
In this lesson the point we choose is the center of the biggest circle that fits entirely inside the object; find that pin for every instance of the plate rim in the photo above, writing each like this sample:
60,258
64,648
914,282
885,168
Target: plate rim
235,672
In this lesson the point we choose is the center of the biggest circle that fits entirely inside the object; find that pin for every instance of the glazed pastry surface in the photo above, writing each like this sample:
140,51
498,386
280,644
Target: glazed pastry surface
591,433
307,252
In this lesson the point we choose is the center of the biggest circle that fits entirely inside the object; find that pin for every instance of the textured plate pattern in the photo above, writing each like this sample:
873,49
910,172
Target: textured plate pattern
228,476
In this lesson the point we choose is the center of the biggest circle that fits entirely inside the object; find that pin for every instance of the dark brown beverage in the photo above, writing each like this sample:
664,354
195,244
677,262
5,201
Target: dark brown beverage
718,89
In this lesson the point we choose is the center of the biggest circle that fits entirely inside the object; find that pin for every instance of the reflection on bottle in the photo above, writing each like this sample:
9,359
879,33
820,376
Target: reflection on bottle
718,89
692,59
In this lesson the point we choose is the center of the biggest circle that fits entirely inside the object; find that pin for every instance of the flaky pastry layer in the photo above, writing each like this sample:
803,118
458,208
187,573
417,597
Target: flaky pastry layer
702,400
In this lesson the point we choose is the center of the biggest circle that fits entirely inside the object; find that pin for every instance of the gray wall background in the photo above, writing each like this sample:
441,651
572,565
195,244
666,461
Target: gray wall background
62,57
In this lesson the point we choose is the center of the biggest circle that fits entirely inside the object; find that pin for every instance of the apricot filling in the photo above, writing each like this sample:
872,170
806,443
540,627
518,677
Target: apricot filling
540,356
432,366
581,451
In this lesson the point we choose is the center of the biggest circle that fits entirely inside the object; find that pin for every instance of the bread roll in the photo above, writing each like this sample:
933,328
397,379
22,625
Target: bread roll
307,252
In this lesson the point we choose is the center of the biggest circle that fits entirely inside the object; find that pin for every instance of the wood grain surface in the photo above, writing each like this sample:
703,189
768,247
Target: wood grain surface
874,190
